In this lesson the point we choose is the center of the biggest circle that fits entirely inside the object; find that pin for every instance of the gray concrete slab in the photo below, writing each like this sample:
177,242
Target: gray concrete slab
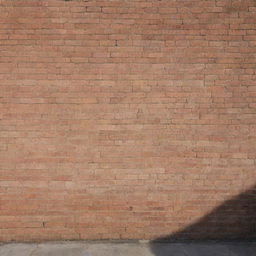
129,249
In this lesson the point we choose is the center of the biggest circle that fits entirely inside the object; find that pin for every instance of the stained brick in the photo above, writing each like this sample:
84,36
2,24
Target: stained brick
115,114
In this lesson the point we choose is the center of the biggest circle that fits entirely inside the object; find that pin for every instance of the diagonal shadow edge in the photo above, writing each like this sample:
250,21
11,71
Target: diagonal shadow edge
235,219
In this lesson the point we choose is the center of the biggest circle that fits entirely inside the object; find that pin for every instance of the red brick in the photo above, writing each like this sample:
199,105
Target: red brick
118,117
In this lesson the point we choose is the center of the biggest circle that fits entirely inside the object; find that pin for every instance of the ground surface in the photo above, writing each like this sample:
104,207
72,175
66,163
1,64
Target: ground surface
129,249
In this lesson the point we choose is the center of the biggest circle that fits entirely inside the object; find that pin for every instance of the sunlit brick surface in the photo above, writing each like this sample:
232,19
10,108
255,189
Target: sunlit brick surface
123,119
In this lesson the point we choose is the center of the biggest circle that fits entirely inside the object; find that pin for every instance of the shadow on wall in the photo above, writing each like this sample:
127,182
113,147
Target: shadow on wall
234,219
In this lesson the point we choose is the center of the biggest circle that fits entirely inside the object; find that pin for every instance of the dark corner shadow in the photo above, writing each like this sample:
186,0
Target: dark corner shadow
235,219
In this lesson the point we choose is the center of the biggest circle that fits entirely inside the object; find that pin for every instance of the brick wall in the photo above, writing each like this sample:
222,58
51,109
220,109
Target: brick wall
123,119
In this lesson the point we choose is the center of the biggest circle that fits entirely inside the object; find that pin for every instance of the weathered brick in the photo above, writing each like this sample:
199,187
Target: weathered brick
118,117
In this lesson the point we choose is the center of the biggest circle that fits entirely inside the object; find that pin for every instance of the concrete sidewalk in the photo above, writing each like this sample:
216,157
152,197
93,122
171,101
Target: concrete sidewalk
129,249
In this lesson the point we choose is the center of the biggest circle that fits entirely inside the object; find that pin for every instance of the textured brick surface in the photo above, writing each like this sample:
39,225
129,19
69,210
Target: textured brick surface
123,119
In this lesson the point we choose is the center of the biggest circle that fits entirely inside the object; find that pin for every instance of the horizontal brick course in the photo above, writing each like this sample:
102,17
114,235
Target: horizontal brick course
123,119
